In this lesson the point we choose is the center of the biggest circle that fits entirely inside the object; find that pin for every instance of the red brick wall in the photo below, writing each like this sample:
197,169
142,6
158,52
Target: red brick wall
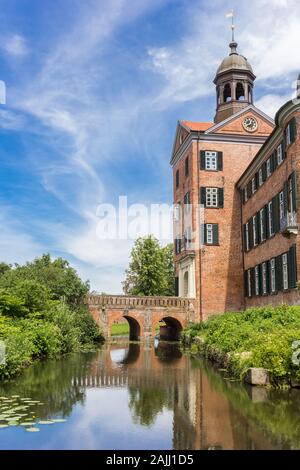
279,243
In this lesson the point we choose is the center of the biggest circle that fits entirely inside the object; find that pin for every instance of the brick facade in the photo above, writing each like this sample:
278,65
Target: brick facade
214,271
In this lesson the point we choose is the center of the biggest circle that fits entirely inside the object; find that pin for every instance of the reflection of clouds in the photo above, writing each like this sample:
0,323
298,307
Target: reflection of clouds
105,422
118,355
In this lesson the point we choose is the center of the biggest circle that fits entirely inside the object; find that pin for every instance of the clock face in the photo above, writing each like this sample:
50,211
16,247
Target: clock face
250,124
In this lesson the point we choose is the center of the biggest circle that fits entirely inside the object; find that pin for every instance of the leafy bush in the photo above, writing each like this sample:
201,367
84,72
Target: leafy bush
266,334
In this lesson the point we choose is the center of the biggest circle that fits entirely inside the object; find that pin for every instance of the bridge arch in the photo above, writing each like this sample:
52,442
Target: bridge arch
171,330
134,328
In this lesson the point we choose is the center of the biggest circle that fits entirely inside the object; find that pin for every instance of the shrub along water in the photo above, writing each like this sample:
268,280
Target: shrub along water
258,337
42,313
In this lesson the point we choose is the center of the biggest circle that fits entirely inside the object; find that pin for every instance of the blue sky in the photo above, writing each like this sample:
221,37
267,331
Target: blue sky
94,91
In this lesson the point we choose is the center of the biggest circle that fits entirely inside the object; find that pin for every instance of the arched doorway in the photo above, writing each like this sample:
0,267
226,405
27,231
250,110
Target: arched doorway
171,330
240,92
227,93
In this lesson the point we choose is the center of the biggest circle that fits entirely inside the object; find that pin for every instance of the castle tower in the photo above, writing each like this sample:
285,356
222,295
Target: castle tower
234,84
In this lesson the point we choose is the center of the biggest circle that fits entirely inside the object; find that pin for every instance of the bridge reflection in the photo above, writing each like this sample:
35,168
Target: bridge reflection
203,417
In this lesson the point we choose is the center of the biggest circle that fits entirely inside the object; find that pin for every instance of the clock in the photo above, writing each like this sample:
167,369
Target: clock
250,124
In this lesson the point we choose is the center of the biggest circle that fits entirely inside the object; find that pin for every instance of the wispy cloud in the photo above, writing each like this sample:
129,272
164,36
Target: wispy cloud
15,45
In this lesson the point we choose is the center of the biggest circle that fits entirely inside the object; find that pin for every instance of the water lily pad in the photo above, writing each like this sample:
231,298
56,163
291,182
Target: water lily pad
2,426
13,423
59,420
15,396
33,430
46,422
29,423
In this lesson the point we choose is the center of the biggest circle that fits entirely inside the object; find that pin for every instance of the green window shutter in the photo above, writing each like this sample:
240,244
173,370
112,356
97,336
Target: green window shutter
276,221
177,178
264,171
259,235
216,234
202,160
292,266
220,161
294,190
278,269
256,181
286,197
283,149
205,234
250,225
203,196
249,189
293,129
252,270
260,279
221,197
275,161
246,293
245,237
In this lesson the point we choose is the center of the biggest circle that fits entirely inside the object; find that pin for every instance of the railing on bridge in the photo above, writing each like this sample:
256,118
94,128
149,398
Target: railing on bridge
129,301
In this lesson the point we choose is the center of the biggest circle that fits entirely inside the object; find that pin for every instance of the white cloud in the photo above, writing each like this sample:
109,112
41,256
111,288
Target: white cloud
15,45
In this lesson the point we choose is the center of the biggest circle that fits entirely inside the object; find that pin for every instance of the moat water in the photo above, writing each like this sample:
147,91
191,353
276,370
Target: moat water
141,396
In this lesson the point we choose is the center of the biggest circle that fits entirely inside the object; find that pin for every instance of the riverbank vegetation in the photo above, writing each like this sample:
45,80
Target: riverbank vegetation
259,337
42,313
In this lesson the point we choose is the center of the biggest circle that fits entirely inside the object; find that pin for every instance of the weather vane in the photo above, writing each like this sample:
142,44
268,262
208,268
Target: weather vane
231,15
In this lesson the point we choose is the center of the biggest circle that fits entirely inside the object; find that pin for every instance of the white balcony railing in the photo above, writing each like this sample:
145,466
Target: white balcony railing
289,224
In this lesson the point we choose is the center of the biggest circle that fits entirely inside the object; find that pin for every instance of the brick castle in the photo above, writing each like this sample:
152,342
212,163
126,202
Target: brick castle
243,171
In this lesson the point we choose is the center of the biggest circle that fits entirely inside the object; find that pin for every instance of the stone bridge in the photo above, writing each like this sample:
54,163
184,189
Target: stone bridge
143,314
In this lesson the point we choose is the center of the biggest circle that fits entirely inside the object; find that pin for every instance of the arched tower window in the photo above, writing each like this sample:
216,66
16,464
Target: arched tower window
240,92
227,93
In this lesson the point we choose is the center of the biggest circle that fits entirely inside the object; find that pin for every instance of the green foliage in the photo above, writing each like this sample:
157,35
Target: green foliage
120,329
42,313
12,306
57,276
151,269
265,334
4,267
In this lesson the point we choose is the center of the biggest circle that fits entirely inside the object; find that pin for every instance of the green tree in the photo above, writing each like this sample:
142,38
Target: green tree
151,270
4,267
61,280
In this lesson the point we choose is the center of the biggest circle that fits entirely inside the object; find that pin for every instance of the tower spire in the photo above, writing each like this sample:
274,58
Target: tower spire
231,15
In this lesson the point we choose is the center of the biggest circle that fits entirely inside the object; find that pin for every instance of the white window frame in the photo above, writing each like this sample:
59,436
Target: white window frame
281,205
253,185
212,197
246,194
285,272
264,279
262,225
211,161
260,178
270,219
247,237
255,241
257,281
269,168
273,276
291,201
177,211
209,234
249,283
279,154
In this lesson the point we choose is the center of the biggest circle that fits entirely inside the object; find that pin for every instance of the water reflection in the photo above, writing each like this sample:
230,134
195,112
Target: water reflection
138,395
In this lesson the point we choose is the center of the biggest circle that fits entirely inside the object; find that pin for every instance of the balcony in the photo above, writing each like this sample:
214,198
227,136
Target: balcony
288,224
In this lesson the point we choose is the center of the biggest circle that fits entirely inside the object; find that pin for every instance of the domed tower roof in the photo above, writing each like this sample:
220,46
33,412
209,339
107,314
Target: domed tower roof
233,62
234,84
